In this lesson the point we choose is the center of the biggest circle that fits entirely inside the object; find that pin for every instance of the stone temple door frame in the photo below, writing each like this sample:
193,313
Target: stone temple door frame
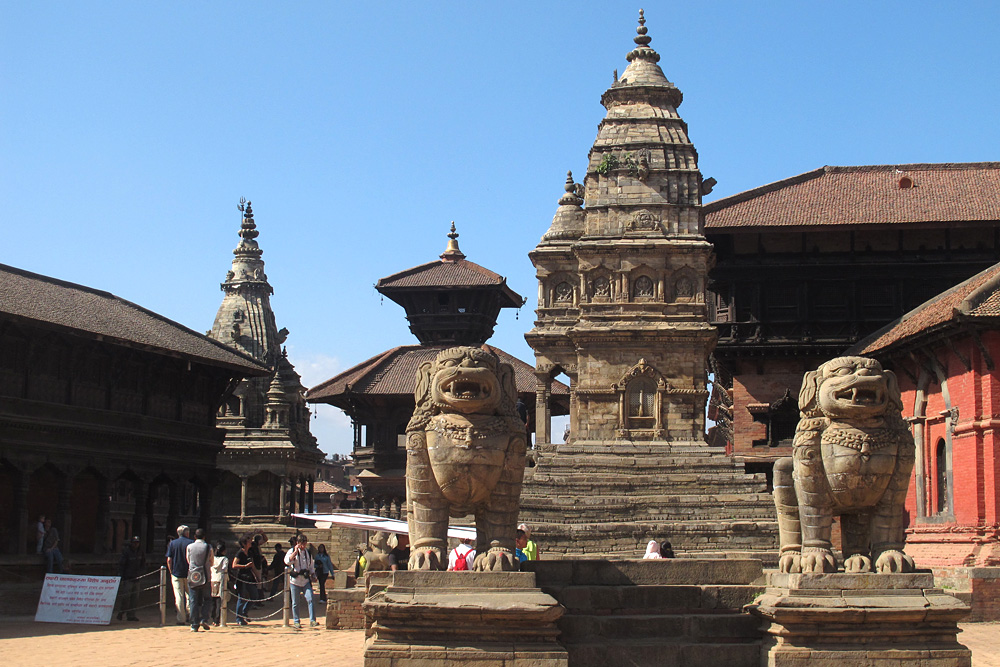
544,374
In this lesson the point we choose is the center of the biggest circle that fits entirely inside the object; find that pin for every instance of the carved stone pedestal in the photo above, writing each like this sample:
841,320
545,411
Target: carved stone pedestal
475,619
843,620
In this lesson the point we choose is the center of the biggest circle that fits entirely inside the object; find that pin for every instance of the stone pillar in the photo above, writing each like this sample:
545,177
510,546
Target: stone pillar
283,498
243,498
64,514
543,413
103,524
140,521
22,521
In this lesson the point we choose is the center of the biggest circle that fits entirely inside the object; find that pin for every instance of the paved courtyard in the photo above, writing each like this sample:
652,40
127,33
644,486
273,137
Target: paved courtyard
24,642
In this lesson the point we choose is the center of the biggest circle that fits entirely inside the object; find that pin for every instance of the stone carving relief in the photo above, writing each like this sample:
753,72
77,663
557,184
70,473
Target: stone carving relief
643,287
465,454
684,289
643,221
380,546
563,293
851,457
602,287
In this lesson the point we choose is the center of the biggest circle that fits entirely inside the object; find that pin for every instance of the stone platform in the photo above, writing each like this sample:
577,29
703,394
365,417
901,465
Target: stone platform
843,620
474,619
663,613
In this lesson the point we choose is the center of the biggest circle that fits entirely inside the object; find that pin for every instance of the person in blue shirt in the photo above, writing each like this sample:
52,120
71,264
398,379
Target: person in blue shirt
177,563
521,541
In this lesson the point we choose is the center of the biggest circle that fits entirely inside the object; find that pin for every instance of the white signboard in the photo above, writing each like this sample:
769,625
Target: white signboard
69,598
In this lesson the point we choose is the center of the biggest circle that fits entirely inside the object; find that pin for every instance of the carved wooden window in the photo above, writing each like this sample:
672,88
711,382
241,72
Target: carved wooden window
643,287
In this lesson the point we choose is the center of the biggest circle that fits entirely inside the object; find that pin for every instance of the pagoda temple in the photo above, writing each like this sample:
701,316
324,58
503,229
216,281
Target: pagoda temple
448,302
269,460
622,275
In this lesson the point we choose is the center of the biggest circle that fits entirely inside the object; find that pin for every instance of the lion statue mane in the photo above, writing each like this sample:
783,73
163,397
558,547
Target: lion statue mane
851,457
465,454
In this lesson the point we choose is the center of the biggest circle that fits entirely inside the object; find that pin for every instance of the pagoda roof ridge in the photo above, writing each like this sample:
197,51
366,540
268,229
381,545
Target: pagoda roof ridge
85,310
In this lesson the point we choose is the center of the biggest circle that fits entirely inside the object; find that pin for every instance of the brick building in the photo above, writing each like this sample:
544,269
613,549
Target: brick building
945,354
807,266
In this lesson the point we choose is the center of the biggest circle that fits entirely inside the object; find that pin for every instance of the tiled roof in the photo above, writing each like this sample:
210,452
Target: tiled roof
394,373
462,273
92,313
865,196
976,298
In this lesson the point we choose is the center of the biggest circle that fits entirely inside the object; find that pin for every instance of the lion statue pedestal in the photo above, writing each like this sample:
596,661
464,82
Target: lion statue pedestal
852,457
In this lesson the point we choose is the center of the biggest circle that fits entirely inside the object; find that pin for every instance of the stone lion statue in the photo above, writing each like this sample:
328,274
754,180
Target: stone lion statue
380,545
465,454
851,457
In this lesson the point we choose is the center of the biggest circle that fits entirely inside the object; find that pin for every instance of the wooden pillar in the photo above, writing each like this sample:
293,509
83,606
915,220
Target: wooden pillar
103,525
173,505
205,505
302,494
140,520
24,532
311,505
64,513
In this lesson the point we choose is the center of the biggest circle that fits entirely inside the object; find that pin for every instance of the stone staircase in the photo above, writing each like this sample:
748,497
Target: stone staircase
664,613
609,498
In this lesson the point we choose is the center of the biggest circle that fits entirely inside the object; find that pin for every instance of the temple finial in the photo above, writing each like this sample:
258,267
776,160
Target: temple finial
573,196
248,231
452,253
642,39
642,49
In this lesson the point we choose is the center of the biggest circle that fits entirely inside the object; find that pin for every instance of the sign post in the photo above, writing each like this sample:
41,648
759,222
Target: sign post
69,598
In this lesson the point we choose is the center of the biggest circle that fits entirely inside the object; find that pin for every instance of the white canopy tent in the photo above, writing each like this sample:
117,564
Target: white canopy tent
375,523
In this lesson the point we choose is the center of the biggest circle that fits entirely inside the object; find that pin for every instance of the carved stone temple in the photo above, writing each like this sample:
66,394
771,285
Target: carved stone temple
270,458
621,310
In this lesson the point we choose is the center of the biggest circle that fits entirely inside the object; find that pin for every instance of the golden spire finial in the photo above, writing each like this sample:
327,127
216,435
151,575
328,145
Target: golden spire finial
452,253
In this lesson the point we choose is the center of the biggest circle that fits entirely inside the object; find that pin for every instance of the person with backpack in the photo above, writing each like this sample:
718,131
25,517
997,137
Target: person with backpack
458,559
200,559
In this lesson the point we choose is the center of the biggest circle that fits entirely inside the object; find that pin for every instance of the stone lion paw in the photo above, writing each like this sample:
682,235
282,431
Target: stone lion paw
790,562
818,561
893,561
496,559
425,559
858,563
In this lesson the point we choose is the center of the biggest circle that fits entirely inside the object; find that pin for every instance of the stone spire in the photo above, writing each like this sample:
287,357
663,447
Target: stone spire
567,225
452,253
277,402
245,319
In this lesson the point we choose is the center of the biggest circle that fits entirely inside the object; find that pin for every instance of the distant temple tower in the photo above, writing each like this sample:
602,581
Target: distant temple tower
621,311
450,301
269,453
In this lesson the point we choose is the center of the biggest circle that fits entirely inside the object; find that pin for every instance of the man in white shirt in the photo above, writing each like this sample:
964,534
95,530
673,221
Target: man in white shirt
303,574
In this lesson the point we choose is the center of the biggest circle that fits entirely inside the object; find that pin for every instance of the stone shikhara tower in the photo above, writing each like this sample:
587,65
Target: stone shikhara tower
270,456
621,274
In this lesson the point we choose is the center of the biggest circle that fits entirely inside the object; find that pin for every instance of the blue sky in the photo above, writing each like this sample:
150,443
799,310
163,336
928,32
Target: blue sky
129,131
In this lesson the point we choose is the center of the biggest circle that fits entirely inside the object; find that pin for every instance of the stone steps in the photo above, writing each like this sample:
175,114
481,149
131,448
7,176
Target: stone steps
663,653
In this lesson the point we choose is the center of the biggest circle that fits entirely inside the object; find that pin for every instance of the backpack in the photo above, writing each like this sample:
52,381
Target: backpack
462,562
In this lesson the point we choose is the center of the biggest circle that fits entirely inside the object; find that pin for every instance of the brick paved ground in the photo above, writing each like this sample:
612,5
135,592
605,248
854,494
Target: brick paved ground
24,642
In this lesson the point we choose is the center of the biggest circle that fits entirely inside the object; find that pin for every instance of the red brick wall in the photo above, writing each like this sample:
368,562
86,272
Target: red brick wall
751,386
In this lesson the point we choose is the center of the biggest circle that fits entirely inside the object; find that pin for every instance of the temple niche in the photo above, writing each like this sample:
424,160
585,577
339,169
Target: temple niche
269,462
622,273
448,302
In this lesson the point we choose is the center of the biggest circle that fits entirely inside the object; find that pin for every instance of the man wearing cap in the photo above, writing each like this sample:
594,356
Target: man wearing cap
178,565
130,566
